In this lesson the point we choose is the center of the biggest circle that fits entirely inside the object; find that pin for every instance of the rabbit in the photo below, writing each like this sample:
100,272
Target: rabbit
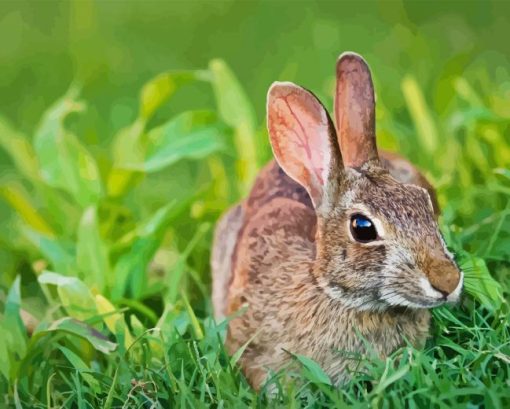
336,250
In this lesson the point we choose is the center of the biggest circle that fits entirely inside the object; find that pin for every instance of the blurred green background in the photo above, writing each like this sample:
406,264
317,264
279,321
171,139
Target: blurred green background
127,128
113,48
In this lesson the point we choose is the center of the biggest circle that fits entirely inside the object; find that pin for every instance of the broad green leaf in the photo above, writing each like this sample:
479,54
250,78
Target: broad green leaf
19,201
75,296
191,135
113,320
20,150
130,144
420,113
233,105
91,251
236,111
130,272
82,330
479,283
105,307
59,209
313,370
65,163
128,147
61,255
159,89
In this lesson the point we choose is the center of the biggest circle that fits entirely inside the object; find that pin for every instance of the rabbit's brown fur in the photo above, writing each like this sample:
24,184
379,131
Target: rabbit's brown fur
287,254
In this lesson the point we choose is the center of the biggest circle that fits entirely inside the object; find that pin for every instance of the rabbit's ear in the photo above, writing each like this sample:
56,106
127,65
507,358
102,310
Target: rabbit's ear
303,138
355,111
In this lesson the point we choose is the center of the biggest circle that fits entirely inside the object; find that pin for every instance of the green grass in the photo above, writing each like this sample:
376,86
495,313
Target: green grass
106,241
107,275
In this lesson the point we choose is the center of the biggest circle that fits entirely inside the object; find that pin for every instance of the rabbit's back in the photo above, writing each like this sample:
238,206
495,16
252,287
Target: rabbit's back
271,183
257,232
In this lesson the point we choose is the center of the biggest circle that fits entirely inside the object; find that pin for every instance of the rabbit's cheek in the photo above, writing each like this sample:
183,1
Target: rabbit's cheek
365,260
353,268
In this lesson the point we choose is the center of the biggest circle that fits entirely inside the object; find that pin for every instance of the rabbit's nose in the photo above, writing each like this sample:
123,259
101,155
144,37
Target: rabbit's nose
444,277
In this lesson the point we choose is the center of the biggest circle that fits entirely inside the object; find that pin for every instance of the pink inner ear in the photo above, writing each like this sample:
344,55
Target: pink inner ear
299,131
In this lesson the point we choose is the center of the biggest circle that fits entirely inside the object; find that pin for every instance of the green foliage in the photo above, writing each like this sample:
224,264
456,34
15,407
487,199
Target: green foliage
107,229
203,135
107,247
64,162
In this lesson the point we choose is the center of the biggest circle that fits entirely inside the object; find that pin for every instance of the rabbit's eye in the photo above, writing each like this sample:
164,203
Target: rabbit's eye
363,229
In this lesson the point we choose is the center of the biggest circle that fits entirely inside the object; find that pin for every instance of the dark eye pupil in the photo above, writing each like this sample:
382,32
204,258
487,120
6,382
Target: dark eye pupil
362,228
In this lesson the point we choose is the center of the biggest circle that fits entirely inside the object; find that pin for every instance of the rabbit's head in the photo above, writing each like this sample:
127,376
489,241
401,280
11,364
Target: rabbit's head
378,243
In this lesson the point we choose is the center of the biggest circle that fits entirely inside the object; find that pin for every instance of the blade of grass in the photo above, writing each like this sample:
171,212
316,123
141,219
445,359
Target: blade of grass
420,113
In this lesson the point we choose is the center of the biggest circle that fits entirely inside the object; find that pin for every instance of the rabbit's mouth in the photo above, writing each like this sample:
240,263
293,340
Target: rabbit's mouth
401,293
435,295
424,295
